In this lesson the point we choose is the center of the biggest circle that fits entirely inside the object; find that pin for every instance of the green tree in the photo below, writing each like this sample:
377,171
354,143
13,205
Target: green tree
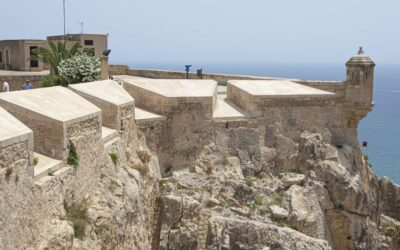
55,54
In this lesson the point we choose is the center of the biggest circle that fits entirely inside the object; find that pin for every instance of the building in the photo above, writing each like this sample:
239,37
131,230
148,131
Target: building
17,54
95,43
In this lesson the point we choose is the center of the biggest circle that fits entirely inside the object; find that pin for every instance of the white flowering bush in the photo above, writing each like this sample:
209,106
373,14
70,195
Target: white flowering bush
80,68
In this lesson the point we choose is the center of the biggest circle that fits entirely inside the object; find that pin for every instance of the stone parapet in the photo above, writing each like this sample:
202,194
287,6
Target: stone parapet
50,113
110,97
253,96
222,79
165,96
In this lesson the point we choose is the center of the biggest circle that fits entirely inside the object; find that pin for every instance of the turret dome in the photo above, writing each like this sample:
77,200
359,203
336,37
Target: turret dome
360,59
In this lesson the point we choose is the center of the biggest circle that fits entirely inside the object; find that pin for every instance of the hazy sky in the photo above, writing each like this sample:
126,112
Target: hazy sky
218,30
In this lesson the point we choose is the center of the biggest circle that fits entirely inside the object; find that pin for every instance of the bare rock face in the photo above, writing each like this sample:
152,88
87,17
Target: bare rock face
305,212
230,233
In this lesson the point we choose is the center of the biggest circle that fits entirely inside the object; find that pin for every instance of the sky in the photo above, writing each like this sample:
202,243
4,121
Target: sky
252,31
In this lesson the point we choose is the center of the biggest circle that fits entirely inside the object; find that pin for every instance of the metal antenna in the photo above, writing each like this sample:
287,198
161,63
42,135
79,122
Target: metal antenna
64,16
81,24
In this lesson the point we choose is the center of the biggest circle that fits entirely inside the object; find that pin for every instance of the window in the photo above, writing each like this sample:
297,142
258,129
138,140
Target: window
89,51
33,58
1,56
7,57
89,43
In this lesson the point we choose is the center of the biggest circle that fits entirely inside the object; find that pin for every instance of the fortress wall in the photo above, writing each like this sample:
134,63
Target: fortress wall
222,79
115,69
47,134
338,87
110,113
241,98
16,200
187,131
148,100
16,81
16,182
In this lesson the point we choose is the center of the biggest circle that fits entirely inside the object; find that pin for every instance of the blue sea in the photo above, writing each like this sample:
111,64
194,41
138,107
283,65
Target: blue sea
381,128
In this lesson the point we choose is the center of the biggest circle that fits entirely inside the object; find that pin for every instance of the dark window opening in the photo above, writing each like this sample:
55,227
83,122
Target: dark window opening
1,56
89,42
34,60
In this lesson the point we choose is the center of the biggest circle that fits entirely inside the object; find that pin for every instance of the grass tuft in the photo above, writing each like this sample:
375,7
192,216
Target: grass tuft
35,161
225,160
249,181
77,213
277,200
73,158
144,156
259,201
142,168
285,223
114,158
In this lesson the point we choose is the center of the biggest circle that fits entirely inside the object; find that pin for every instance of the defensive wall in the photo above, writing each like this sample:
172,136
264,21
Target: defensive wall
221,79
178,117
17,78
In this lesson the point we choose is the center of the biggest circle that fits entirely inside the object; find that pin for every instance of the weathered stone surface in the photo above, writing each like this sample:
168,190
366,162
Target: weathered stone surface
289,179
279,212
230,233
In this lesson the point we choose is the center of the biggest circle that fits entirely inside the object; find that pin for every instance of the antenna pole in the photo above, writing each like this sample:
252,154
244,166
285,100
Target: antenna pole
64,16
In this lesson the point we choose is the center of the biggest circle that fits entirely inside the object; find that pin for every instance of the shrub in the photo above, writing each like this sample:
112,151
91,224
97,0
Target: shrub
114,158
50,81
263,211
225,160
259,201
35,161
143,155
285,223
73,158
397,231
80,68
142,168
9,171
249,181
77,213
366,159
277,200
50,172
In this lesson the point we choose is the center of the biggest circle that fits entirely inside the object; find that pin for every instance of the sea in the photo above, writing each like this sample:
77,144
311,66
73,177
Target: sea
381,128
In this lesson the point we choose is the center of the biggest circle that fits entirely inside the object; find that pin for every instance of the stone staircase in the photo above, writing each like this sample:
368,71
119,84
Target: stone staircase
45,166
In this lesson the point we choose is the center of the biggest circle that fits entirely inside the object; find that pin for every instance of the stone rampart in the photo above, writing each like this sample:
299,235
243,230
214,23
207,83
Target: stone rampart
222,79
116,104
16,79
50,112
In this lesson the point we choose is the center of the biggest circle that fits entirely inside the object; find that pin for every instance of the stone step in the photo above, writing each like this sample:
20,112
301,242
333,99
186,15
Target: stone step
45,180
226,110
45,165
107,134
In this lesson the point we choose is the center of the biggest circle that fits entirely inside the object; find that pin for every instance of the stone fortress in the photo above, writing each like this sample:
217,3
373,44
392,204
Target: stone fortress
173,119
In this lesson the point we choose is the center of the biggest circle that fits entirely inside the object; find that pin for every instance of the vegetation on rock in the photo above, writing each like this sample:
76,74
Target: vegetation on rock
77,213
143,155
35,161
114,158
73,158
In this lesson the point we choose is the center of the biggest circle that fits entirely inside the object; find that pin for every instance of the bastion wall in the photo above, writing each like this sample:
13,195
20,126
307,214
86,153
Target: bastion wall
174,119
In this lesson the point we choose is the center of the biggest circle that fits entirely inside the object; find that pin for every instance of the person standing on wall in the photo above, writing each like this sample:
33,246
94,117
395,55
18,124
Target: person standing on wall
27,85
6,86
